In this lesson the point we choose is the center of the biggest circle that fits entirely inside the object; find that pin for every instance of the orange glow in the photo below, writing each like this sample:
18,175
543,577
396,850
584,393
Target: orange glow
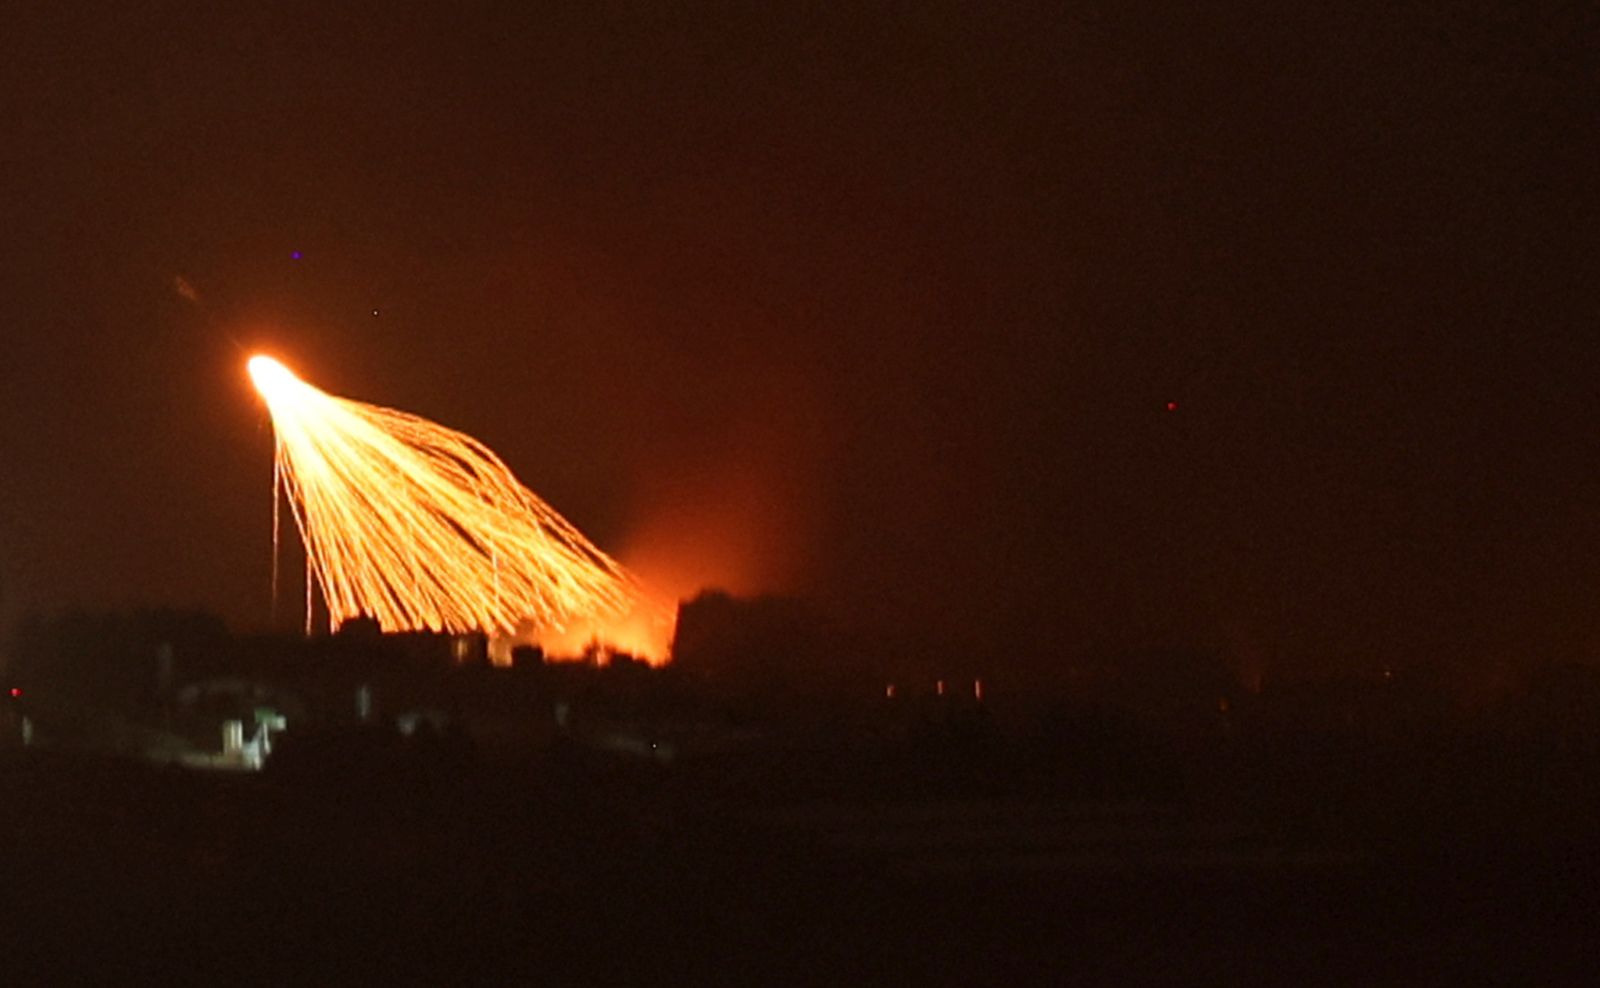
644,633
424,528
718,532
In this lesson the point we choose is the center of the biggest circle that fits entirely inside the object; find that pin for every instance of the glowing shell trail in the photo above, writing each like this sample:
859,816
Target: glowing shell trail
422,527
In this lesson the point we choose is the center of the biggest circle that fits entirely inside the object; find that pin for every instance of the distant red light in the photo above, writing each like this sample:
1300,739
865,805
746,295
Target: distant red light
1172,406
16,691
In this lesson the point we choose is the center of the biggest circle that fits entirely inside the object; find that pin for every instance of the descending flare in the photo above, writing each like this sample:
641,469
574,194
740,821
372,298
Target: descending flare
423,527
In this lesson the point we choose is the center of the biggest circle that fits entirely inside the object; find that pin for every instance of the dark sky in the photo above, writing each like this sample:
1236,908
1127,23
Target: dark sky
882,307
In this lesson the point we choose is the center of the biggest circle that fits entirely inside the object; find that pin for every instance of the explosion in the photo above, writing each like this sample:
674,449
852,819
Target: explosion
421,527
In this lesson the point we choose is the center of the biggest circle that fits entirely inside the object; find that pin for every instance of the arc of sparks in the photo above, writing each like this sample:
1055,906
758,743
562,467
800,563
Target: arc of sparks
422,527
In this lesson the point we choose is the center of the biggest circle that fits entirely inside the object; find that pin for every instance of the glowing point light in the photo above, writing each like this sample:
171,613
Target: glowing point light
421,527
270,377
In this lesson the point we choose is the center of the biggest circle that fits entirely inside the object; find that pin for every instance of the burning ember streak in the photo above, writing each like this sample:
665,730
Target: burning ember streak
422,527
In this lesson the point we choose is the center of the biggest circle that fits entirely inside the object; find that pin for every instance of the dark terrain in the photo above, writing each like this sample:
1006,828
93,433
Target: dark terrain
1291,858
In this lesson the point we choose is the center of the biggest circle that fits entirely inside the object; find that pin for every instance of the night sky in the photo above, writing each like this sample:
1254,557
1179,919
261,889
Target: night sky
886,309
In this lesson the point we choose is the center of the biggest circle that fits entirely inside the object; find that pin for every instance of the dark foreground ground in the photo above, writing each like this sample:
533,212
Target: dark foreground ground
1306,864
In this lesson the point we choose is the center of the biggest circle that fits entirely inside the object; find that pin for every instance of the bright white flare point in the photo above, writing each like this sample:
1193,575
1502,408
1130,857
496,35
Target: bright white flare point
422,527
270,376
